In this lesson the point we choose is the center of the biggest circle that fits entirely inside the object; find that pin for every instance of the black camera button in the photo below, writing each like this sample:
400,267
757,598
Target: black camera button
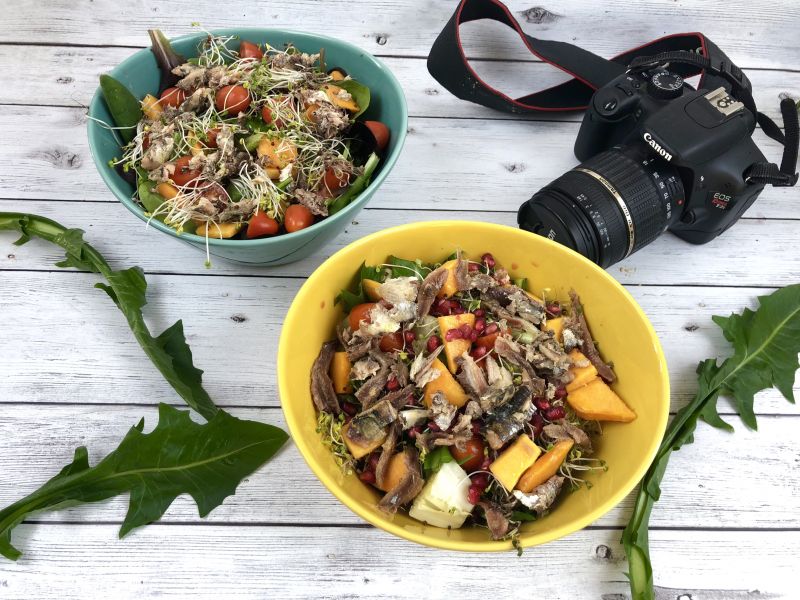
624,90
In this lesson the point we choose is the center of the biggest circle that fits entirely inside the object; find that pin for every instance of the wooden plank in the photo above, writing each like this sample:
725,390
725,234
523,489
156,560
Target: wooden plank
703,487
736,258
753,36
67,342
327,563
470,164
68,76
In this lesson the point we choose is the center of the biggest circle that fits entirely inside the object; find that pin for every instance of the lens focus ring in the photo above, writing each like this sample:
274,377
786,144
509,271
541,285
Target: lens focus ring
638,190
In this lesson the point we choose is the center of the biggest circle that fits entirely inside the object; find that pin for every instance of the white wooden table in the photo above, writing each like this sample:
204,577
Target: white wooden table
728,524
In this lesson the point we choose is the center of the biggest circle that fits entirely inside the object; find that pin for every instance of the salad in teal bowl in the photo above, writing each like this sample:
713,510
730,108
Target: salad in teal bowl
254,145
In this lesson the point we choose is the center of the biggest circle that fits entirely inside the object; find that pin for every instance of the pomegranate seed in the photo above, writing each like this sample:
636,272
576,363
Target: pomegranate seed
538,423
409,336
561,392
433,343
433,426
491,328
473,336
488,260
465,330
414,431
541,403
479,312
555,413
452,334
367,476
458,310
487,462
472,267
349,408
479,352
554,309
392,384
480,480
454,303
480,324
474,495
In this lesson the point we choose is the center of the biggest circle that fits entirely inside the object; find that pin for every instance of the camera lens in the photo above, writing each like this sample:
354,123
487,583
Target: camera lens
609,206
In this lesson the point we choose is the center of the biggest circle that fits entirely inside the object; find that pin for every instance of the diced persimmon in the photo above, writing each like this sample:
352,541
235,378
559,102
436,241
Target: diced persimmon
340,373
580,375
455,348
447,384
397,469
514,461
371,289
450,286
544,468
151,107
358,450
336,96
596,400
555,325
219,231
167,190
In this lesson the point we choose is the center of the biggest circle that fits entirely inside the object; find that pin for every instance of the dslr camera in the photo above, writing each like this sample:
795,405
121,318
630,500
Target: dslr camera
657,155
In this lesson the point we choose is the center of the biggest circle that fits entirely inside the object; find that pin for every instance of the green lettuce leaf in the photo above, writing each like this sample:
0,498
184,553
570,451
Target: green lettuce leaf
179,456
765,343
350,298
358,186
169,351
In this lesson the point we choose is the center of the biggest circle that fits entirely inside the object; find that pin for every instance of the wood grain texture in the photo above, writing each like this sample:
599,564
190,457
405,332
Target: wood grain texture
326,563
733,259
727,525
68,342
697,492
470,164
752,36
68,76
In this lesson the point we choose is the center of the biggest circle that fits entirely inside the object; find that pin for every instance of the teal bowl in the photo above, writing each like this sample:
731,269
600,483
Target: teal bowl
140,75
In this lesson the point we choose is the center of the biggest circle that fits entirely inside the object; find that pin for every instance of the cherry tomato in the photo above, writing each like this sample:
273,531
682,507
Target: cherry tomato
360,313
211,137
173,97
471,457
334,183
261,224
297,217
250,50
183,173
381,133
232,99
266,114
391,342
486,341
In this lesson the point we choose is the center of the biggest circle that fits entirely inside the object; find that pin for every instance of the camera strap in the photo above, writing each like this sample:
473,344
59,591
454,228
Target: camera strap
689,54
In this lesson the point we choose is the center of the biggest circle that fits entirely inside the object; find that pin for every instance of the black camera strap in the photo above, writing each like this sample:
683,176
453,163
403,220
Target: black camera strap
689,54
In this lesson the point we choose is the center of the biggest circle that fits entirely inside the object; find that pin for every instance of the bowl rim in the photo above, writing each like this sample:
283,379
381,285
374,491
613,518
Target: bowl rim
387,163
489,545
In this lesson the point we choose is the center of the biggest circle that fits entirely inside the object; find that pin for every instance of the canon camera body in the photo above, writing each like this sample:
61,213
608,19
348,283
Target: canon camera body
657,155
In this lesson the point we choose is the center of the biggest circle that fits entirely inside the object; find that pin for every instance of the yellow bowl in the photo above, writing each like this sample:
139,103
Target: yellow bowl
621,328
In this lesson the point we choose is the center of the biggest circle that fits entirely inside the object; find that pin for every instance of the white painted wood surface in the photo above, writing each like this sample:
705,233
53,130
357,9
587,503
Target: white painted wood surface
727,526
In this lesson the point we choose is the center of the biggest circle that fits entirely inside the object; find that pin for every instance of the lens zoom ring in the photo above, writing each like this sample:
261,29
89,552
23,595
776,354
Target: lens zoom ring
637,190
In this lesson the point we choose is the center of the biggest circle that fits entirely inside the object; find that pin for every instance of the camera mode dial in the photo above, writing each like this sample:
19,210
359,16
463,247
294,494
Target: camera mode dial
664,85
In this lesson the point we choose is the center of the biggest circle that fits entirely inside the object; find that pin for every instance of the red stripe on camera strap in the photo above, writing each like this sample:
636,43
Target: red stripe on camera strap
688,54
448,64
